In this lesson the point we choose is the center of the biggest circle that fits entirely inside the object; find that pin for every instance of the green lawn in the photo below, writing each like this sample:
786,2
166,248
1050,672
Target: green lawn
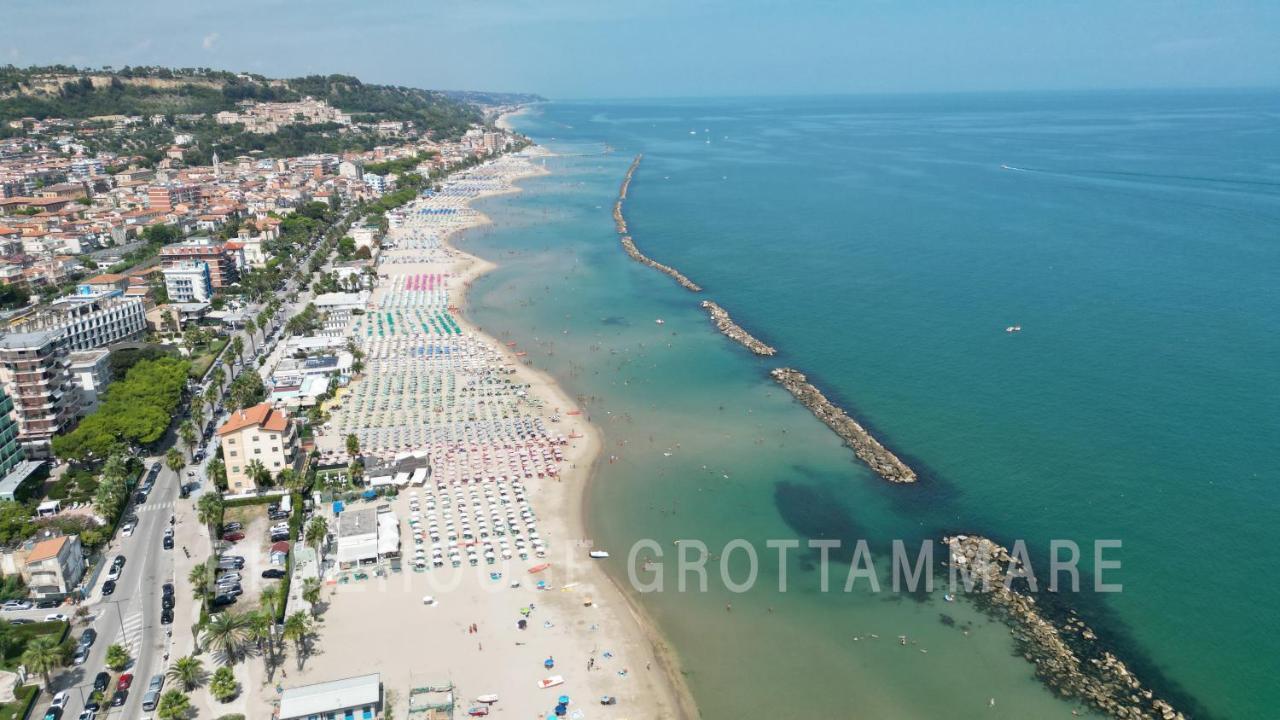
200,363
24,698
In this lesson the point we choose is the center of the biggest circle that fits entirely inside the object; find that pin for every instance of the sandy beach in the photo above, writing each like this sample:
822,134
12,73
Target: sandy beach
468,637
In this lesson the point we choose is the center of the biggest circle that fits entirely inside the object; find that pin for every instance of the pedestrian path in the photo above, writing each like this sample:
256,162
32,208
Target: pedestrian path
154,506
132,633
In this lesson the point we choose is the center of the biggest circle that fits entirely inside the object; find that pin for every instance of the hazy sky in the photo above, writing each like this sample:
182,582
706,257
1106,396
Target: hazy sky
598,48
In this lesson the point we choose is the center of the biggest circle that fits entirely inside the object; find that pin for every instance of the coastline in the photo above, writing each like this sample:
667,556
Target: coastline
679,702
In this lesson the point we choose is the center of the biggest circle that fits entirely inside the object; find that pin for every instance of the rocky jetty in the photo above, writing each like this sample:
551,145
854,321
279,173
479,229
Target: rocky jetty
733,331
630,246
618,219
1067,654
867,448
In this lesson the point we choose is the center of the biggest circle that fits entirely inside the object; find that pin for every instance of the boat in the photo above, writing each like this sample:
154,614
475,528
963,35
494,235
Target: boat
550,682
488,699
1013,329
660,321
478,711
608,700
598,554
539,567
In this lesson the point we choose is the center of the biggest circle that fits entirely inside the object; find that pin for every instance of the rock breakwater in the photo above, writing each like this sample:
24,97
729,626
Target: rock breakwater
883,462
732,330
1067,654
629,245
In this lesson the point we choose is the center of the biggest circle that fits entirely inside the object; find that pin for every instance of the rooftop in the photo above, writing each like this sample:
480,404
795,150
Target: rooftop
46,549
326,697
263,415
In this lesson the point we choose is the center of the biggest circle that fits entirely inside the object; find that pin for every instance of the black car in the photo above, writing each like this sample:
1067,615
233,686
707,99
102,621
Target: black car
273,574
101,681
167,589
88,637
119,561
223,600
48,603
140,498
108,587
168,542
119,697
166,616
199,456
167,602
232,527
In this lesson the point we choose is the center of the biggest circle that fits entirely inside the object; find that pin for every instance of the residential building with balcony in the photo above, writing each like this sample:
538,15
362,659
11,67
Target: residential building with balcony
89,321
222,264
261,433
188,281
35,371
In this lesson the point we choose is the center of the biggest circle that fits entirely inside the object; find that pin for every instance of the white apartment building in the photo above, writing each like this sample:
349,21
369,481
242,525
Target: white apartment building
88,321
188,281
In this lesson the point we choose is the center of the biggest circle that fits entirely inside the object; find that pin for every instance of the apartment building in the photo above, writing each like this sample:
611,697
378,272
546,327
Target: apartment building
35,371
91,374
188,281
89,321
11,454
261,433
222,264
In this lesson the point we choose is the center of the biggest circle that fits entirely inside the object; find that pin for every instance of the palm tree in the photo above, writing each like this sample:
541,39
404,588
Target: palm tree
252,327
224,687
199,578
353,446
174,460
317,531
298,629
197,409
311,592
219,376
237,347
260,474
209,510
188,671
227,635
187,431
44,654
118,657
174,705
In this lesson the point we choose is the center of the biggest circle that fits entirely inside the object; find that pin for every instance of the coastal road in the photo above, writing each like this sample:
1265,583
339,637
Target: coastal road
131,615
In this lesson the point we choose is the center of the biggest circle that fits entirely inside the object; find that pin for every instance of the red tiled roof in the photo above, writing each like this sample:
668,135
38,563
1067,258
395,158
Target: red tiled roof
263,415
46,549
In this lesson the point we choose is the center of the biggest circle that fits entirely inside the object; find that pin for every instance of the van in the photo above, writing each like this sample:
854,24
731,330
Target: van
150,700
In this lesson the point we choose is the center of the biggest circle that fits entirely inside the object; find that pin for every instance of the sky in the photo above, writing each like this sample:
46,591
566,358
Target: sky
672,48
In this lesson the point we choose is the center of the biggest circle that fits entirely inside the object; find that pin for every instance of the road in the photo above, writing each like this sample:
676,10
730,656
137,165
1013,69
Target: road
131,615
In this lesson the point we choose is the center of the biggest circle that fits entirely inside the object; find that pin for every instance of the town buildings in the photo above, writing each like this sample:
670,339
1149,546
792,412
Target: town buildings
188,281
263,434
353,697
221,263
51,566
90,373
88,321
35,371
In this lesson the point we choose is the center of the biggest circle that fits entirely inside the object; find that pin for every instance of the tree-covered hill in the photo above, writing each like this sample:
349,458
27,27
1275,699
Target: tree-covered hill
69,92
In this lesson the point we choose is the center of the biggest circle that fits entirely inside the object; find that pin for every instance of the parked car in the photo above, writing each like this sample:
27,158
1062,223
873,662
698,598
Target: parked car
87,715
167,544
233,536
119,698
55,617
232,527
22,621
16,605
53,713
229,575
125,681
101,680
167,602
60,700
223,600
80,656
88,637
127,529
166,616
167,589
108,587
48,603
273,574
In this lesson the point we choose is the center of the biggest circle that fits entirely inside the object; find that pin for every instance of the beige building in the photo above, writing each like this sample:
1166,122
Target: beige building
50,567
262,433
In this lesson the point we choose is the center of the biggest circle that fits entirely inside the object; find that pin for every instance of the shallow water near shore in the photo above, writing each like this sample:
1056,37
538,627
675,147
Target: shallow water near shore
883,245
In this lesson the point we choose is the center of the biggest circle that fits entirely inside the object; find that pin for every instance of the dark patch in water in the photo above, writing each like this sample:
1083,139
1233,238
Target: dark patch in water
946,619
615,320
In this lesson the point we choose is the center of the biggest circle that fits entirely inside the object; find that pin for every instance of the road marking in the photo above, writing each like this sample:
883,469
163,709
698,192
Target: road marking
132,633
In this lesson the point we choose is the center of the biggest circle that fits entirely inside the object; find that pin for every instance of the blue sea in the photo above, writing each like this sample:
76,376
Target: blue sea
884,244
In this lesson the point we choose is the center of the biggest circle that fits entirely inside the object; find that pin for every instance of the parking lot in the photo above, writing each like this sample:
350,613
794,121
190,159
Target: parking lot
255,548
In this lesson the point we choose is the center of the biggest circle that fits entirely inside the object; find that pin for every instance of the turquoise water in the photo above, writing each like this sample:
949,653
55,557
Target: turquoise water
883,244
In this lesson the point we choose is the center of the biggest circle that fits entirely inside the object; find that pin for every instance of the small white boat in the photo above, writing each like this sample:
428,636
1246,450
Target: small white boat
489,699
551,682
660,321
598,554
1013,329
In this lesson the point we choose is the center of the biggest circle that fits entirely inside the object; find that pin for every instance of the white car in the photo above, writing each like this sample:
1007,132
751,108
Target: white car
127,529
88,715
16,605
59,700
113,573
53,617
